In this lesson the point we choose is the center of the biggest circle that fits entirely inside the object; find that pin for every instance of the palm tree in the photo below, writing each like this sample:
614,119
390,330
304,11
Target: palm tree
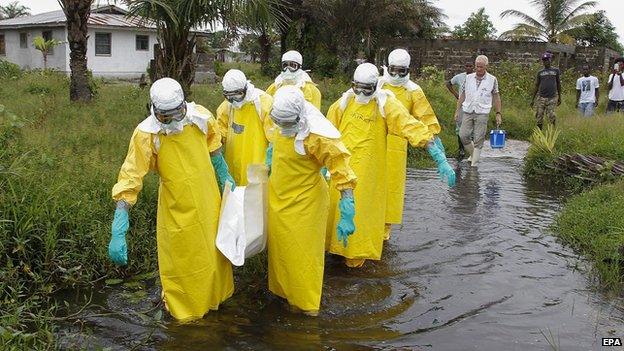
175,21
45,46
13,10
557,20
77,13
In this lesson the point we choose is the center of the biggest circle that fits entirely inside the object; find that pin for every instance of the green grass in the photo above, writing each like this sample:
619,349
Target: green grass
593,223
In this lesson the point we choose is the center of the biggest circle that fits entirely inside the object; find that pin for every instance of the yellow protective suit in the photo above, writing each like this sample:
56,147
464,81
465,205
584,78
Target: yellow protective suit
195,276
311,93
298,209
245,135
417,104
364,131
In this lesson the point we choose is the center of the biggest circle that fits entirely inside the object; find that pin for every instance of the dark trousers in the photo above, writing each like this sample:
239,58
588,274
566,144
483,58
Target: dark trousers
615,106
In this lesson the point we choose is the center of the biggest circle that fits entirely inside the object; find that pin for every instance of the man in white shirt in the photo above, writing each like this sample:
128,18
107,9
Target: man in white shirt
587,93
480,93
616,88
457,82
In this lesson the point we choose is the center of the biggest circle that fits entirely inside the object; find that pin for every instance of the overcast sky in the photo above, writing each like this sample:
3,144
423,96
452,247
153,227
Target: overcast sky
456,10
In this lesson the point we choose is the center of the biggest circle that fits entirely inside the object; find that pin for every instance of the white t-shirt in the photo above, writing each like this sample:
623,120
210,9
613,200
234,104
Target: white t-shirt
587,86
458,81
617,92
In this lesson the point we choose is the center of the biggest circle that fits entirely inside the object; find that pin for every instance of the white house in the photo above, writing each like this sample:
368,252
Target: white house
117,46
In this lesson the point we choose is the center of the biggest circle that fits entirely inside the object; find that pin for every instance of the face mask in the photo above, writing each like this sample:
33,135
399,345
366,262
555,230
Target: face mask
398,81
289,130
363,99
174,127
290,76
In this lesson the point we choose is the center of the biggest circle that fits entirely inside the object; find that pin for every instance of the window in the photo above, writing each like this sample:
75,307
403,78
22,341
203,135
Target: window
102,43
24,40
2,48
142,43
47,35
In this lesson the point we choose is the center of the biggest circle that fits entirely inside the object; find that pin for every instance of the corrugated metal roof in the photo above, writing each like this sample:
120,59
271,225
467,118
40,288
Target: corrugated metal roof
57,18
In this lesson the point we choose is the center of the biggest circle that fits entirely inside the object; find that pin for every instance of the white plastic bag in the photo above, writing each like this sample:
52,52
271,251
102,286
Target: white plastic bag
242,229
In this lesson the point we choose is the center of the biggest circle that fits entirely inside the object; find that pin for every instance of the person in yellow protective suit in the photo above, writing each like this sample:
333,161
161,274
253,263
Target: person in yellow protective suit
397,80
181,142
244,123
365,115
292,74
299,198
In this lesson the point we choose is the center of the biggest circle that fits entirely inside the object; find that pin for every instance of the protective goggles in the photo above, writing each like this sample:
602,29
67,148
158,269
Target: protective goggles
285,121
290,65
363,89
235,95
399,71
167,116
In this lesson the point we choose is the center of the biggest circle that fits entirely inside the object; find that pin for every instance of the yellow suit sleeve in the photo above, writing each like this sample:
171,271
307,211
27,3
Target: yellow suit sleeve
214,134
271,89
266,101
422,110
333,154
312,94
334,114
401,123
139,160
223,119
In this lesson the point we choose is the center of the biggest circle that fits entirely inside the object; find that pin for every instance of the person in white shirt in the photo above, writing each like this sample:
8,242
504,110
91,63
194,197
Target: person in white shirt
457,82
587,93
616,88
480,93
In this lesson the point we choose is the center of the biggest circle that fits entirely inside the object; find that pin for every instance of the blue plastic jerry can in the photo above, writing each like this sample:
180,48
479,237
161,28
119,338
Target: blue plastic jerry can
497,138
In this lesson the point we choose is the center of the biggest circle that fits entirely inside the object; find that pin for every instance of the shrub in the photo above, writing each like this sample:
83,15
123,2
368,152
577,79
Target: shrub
9,70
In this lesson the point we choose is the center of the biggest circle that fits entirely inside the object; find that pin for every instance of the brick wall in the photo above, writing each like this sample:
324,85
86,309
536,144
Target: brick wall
451,55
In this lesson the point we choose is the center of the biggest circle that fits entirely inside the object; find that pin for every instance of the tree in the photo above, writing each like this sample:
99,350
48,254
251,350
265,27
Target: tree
598,31
77,13
477,27
13,10
45,46
352,26
175,20
557,20
249,44
221,39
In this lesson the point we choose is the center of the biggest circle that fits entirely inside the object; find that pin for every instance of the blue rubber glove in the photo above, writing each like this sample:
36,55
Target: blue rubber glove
268,161
346,226
325,173
444,169
117,248
222,171
438,143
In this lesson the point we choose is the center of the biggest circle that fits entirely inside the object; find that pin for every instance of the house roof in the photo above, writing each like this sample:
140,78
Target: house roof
102,16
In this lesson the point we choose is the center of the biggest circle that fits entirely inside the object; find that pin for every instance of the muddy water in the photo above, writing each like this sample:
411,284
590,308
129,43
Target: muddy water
473,268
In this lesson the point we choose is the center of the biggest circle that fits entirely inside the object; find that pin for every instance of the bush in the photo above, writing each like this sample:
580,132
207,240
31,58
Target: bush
9,70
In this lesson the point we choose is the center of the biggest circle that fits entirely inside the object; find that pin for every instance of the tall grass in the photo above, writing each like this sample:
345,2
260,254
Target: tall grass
593,223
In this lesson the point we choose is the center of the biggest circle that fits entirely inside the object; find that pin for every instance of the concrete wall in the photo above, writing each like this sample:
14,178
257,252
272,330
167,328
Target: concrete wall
451,55
124,61
31,58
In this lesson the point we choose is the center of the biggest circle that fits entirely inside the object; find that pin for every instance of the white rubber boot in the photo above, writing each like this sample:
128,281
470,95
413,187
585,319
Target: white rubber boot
475,157
470,149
